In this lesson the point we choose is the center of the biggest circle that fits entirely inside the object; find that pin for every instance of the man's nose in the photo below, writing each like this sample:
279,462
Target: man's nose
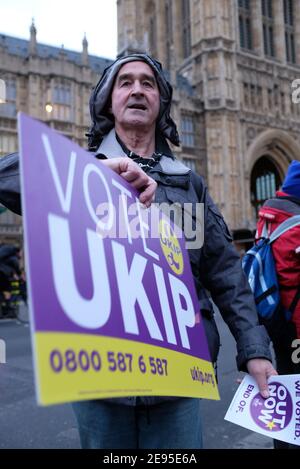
137,88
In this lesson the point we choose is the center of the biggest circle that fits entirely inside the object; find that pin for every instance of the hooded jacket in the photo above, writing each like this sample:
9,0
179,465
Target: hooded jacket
102,119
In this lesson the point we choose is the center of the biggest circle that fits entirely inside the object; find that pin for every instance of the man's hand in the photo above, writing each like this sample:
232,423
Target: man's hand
133,174
261,369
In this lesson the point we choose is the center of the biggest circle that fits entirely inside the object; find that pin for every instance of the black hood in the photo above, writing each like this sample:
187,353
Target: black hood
102,120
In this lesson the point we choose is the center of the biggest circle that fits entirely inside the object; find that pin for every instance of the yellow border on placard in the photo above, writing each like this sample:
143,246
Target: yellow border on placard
65,386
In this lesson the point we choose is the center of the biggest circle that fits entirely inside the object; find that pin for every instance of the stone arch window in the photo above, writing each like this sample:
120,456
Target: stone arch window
265,181
268,27
186,28
9,107
62,101
187,130
289,31
245,24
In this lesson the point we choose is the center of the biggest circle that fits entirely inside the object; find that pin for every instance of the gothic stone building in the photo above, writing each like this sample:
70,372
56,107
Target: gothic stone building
232,63
49,83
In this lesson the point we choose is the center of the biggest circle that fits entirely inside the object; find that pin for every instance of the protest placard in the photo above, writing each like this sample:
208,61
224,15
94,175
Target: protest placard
278,416
112,299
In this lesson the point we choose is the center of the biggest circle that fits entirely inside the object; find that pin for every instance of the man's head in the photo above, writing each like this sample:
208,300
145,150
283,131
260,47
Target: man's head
106,100
135,98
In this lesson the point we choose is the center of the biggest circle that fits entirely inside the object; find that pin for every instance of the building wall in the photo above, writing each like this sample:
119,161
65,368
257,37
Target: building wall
36,75
241,93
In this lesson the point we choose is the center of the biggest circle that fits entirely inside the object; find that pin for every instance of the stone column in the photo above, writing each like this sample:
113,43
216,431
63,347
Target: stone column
126,25
177,30
257,30
279,37
160,30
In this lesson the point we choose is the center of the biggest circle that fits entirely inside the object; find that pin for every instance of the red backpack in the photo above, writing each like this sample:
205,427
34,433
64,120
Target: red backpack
286,250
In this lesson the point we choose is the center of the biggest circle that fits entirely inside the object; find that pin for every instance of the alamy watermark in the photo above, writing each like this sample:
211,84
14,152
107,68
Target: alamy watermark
132,221
2,91
296,353
296,92
2,351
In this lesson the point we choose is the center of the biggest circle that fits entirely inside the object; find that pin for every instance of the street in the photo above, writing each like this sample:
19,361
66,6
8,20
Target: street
25,425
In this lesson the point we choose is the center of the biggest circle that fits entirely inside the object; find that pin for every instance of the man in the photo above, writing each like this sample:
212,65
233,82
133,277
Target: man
130,112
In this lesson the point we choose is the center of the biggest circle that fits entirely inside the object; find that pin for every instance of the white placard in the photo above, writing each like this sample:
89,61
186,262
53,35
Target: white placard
278,416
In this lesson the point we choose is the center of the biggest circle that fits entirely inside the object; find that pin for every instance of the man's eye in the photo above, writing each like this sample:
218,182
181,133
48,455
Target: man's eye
148,84
125,83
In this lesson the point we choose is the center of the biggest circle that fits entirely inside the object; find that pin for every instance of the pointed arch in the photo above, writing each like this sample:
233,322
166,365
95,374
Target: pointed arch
278,144
277,149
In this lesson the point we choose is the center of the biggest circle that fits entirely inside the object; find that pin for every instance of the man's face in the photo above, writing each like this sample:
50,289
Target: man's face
135,97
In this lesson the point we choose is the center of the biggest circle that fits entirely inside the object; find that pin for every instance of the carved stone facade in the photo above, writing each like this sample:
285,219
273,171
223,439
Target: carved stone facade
232,64
49,83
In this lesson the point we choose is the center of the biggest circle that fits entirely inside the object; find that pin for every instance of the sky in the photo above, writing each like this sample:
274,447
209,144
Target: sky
64,22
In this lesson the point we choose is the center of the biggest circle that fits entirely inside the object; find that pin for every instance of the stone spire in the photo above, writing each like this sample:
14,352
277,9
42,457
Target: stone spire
62,52
84,54
32,42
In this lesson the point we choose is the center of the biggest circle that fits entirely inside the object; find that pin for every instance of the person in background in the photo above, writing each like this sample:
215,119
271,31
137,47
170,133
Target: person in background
9,272
286,252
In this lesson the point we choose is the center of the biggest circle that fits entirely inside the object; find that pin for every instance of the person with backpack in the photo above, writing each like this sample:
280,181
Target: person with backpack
284,207
279,222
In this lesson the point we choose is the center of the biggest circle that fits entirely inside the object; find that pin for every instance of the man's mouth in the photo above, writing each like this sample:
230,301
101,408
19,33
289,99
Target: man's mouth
137,106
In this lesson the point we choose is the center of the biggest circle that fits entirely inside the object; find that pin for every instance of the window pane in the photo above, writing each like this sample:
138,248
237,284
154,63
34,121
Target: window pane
11,90
248,34
265,39
245,25
270,9
271,39
288,12
187,131
265,181
293,52
8,110
242,33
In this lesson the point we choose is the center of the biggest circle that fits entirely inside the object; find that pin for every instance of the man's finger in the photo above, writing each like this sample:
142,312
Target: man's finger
261,369
147,196
137,180
262,385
